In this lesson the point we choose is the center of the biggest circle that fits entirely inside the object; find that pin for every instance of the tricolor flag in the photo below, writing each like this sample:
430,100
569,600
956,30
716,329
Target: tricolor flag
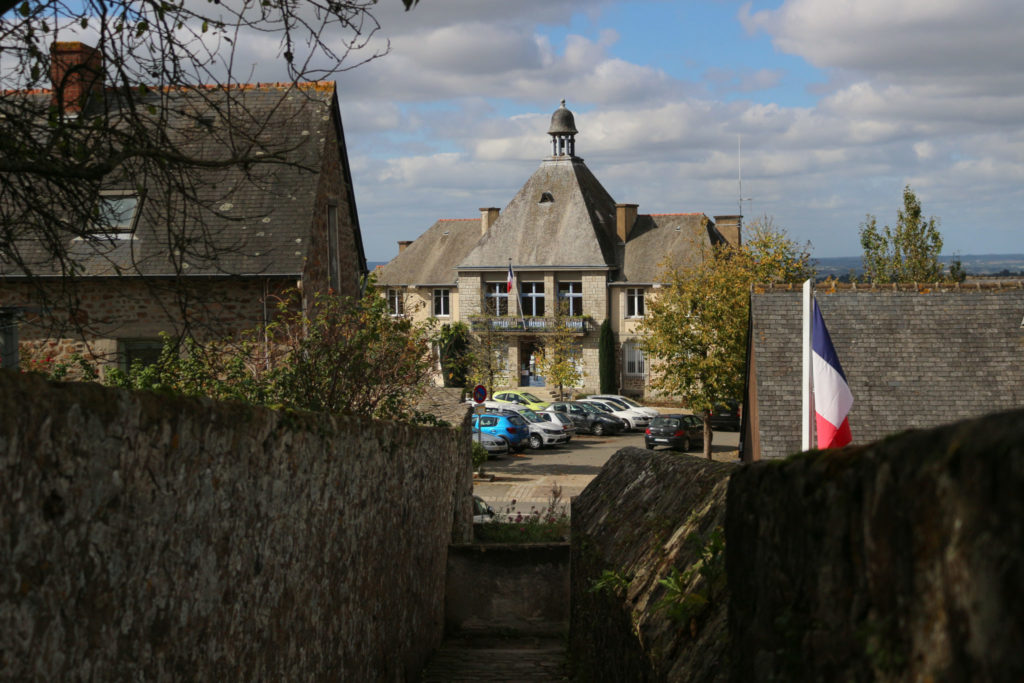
510,277
832,397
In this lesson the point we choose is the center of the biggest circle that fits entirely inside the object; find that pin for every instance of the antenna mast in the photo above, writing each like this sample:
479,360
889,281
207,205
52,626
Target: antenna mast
739,173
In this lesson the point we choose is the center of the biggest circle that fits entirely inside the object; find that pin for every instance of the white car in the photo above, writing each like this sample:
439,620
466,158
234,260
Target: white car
629,403
634,419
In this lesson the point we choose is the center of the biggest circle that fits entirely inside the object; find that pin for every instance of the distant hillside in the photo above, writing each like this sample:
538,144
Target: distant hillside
974,264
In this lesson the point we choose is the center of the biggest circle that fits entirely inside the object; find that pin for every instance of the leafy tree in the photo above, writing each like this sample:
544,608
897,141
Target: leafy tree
453,345
560,358
908,252
606,359
346,356
695,330
486,361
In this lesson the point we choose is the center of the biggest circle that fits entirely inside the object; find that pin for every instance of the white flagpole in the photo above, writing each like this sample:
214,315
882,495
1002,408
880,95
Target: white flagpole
805,442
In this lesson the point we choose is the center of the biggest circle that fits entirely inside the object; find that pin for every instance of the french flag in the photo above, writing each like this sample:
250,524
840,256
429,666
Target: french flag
510,278
832,397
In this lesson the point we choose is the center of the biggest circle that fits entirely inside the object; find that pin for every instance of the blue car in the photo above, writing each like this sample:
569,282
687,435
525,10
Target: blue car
511,428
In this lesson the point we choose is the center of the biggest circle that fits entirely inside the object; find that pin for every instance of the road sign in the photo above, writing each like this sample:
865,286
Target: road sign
479,393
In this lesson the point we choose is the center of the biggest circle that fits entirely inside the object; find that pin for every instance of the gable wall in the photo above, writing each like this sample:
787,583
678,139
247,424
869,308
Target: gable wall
332,189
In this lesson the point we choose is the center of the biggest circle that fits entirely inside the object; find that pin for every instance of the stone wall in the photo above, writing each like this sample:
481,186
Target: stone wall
148,537
901,560
508,588
108,312
644,515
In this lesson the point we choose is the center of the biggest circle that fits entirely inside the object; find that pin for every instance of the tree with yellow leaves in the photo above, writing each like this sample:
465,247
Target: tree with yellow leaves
695,331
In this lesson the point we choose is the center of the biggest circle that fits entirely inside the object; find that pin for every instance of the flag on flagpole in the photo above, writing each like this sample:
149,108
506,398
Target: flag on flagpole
832,396
510,277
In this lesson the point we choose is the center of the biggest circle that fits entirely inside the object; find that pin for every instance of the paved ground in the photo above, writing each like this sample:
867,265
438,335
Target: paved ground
525,481
537,660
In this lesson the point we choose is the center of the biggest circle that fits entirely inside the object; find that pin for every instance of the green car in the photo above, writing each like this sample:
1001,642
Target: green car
523,398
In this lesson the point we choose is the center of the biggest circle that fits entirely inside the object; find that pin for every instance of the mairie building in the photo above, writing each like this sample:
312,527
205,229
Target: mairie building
572,248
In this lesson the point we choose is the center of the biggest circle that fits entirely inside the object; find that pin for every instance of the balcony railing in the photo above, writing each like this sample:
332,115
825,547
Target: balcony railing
580,325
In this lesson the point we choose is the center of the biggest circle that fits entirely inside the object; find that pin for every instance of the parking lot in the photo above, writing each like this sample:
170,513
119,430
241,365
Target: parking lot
524,481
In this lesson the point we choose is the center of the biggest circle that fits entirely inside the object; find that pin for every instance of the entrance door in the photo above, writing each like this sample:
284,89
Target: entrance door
529,374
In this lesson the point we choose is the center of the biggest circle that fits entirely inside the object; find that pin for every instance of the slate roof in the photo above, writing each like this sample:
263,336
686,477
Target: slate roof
432,258
915,357
680,239
257,219
573,228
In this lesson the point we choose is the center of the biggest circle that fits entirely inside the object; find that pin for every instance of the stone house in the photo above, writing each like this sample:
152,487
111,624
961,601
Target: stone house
213,265
914,356
568,244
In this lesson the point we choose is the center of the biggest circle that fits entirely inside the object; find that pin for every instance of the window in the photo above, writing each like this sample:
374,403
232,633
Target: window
533,298
395,305
442,308
634,303
115,214
333,268
633,359
143,351
571,293
497,298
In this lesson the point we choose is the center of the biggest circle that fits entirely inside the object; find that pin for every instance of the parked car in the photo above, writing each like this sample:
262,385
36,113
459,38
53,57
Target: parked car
633,419
678,432
541,433
587,418
568,426
512,428
726,416
630,403
494,445
482,512
523,398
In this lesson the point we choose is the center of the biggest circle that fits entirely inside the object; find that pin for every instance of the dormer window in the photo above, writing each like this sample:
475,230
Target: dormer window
546,198
115,216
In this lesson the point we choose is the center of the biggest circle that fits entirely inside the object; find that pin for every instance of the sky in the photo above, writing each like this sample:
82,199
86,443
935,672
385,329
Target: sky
829,108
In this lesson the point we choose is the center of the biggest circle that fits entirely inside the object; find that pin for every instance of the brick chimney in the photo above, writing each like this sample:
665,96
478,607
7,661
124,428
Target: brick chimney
625,217
402,244
487,217
76,72
731,228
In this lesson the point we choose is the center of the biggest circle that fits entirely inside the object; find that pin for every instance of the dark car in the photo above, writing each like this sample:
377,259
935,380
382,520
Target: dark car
726,416
678,432
587,418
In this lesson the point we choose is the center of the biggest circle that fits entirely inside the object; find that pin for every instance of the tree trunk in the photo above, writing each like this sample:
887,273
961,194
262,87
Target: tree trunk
707,435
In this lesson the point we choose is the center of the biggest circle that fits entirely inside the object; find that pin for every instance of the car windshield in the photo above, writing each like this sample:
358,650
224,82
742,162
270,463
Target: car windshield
591,408
530,397
603,407
516,420
529,415
630,402
615,403
663,421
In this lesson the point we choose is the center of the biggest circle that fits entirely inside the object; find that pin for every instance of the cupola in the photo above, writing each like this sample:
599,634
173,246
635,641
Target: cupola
563,132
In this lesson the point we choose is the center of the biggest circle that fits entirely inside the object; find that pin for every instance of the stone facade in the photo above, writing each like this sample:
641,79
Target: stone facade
561,227
163,538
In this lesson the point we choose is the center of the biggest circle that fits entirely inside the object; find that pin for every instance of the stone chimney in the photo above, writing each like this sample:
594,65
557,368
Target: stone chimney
625,217
402,244
76,72
731,228
487,217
